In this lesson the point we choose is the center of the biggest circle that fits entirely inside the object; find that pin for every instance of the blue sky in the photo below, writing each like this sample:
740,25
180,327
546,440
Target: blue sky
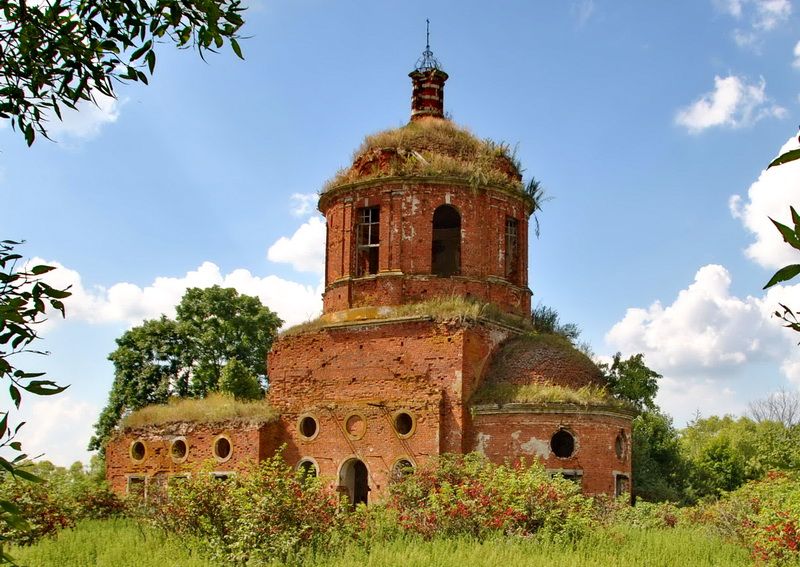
649,127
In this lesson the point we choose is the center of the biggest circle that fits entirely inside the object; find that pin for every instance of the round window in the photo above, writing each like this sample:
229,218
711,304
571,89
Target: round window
138,450
563,444
222,448
179,450
404,423
308,427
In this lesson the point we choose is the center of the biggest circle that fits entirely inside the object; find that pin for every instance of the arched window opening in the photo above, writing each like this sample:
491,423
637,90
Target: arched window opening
368,241
354,482
512,249
446,244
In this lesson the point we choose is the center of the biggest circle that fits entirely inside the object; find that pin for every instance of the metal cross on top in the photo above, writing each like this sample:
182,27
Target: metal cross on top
427,62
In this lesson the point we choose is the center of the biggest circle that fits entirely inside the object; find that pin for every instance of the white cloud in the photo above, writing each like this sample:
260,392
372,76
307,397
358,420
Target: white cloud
130,304
704,337
733,103
304,250
770,196
796,62
86,121
758,17
303,203
57,427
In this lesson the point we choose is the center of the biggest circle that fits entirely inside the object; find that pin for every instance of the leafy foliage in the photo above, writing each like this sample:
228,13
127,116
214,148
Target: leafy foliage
632,381
24,301
658,465
266,514
466,495
184,357
57,53
547,320
239,382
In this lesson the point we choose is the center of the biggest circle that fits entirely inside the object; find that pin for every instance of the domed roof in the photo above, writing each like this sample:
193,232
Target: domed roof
544,360
432,147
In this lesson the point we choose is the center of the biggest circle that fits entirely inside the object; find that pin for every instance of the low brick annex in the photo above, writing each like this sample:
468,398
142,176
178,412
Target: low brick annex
424,345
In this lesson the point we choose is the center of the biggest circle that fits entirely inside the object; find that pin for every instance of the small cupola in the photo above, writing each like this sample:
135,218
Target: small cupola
427,79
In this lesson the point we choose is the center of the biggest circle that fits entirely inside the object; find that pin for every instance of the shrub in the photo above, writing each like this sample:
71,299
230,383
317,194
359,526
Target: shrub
763,515
469,496
269,513
44,514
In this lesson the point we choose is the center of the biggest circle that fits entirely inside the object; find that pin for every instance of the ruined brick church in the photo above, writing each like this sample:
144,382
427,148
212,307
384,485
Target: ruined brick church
424,346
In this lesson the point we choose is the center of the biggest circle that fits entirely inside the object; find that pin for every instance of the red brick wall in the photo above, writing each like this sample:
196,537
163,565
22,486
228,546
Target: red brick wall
249,444
427,368
502,436
405,245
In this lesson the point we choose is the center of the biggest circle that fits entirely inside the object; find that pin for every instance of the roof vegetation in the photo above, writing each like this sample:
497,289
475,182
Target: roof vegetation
433,147
444,308
506,393
214,408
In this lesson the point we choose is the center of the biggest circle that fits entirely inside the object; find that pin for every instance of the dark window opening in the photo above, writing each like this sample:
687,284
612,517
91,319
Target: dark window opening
401,470
179,450
563,444
308,427
403,423
367,240
222,448
446,244
137,451
221,476
307,468
512,249
354,482
622,485
572,476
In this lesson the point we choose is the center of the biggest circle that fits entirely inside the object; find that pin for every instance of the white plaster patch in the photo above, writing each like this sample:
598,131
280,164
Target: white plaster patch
459,377
447,198
408,231
483,442
538,447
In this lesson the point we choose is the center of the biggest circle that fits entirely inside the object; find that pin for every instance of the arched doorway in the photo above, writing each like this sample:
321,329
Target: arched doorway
446,243
354,481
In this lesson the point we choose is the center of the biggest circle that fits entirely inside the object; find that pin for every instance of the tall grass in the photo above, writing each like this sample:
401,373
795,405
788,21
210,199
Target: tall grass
215,407
504,393
109,543
126,543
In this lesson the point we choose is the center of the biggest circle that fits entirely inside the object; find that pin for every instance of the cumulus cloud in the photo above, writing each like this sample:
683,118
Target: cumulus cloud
57,428
304,250
733,103
86,121
303,204
129,303
704,336
770,196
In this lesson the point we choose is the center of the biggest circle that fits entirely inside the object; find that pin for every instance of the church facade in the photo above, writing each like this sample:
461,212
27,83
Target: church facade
424,346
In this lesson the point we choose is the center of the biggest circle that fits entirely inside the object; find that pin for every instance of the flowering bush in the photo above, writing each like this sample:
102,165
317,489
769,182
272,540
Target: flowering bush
764,515
263,515
468,495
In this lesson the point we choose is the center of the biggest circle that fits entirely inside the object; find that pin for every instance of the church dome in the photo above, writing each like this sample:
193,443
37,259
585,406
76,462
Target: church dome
541,359
432,147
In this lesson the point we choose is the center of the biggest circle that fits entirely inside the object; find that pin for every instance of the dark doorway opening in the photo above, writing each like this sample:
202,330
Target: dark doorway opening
446,244
354,481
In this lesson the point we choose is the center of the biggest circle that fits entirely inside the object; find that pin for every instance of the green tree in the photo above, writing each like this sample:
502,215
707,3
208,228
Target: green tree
24,302
55,54
659,469
238,381
547,320
631,380
186,356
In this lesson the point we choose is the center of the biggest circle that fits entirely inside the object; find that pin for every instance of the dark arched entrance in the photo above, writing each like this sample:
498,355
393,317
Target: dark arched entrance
446,243
354,481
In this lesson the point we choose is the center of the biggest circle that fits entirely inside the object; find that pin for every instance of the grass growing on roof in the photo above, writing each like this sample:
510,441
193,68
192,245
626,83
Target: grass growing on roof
444,308
437,148
215,407
505,393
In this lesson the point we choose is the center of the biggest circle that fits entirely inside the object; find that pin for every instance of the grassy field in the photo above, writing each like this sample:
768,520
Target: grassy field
122,543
